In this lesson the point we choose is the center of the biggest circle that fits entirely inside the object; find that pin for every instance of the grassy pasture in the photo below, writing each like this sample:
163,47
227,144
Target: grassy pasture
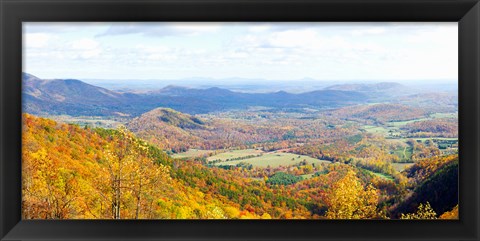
404,153
375,129
234,154
381,175
95,121
431,117
273,159
192,153
401,166
423,139
307,176
444,115
437,138
402,123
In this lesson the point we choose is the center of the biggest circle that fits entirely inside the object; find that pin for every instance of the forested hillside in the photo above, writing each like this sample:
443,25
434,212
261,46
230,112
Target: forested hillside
73,172
176,131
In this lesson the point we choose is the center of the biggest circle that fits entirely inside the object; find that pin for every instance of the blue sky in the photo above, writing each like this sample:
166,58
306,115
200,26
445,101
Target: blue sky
275,51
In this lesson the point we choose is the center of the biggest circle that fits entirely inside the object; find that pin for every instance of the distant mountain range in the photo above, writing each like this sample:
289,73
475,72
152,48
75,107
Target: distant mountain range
367,87
382,89
77,98
256,85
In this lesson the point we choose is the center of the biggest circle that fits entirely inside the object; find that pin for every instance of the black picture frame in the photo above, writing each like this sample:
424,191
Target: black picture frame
14,12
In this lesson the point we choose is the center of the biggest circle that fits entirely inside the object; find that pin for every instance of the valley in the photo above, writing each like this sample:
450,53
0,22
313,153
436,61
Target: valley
221,153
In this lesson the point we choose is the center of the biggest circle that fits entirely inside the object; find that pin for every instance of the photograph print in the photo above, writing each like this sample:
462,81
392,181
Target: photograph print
226,120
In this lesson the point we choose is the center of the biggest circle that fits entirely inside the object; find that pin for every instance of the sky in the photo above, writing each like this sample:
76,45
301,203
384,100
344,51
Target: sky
272,51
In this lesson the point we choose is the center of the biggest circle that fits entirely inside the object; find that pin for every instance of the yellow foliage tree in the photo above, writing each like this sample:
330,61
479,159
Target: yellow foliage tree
69,172
424,211
132,177
348,199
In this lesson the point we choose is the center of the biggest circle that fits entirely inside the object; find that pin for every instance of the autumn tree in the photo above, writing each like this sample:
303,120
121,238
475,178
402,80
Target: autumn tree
453,214
424,211
348,199
132,174
53,186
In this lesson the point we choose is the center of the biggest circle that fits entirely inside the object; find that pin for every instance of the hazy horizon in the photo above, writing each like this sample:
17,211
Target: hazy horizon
257,85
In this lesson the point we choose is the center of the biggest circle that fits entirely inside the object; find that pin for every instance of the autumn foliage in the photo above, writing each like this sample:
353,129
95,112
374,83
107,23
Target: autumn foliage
73,172
348,199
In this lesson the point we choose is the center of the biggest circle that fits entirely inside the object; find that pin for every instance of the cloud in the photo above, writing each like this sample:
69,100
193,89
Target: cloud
36,40
448,35
369,31
154,53
195,28
294,39
161,29
304,44
267,50
57,27
84,48
337,53
84,44
260,28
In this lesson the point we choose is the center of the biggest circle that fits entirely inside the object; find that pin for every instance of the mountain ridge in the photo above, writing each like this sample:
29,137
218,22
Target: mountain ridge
75,97
381,86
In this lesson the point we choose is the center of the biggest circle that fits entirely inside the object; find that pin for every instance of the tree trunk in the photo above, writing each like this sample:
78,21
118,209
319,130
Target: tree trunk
116,198
138,198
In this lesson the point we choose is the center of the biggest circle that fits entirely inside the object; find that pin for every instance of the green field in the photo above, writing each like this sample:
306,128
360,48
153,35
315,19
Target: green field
192,153
401,166
434,138
402,123
444,115
376,129
94,121
404,153
431,117
381,175
272,159
234,154
307,176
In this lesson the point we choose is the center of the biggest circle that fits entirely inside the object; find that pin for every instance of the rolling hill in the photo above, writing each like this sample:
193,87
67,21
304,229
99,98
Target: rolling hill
437,101
173,130
380,112
72,97
76,98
